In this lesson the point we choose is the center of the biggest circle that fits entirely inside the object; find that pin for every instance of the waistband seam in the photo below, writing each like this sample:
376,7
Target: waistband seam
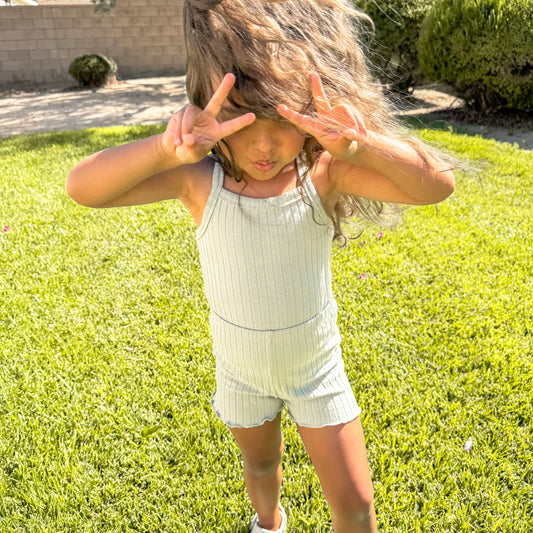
272,330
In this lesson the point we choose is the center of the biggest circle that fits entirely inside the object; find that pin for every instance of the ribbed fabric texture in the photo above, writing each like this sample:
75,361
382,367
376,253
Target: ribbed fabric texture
265,261
267,275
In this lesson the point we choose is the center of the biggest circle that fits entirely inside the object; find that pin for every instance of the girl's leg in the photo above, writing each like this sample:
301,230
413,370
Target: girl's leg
261,449
339,456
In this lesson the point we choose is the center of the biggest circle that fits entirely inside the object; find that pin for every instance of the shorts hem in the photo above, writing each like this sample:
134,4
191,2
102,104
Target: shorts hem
339,422
236,425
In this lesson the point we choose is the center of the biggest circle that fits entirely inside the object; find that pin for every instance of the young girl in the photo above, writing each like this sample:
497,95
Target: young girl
286,136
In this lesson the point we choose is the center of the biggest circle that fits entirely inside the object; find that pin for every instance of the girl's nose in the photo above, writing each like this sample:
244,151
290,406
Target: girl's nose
264,142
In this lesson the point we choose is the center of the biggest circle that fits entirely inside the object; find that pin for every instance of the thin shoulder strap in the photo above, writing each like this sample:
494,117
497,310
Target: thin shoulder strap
216,186
312,193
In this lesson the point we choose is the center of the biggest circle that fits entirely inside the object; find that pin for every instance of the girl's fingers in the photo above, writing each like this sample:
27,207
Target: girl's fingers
189,139
232,126
178,119
219,97
345,117
188,119
350,122
187,124
319,95
360,123
356,129
303,122
351,134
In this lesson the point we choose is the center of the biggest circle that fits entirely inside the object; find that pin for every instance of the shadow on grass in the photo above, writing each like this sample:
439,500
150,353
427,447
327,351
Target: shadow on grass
513,128
92,139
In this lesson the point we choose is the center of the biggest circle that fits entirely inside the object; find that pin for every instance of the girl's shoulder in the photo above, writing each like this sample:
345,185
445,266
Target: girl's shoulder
197,181
319,174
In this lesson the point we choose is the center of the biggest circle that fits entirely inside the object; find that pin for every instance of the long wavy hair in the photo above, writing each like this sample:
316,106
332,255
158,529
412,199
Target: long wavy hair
272,47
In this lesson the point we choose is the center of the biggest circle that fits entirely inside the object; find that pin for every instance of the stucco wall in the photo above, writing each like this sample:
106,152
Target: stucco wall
37,44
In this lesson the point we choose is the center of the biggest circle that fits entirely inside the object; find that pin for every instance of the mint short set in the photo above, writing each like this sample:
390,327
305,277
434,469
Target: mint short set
267,277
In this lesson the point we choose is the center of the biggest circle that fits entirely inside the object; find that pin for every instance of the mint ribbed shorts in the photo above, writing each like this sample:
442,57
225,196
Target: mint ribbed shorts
258,372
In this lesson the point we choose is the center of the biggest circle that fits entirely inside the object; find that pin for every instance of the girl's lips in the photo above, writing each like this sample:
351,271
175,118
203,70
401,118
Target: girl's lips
264,166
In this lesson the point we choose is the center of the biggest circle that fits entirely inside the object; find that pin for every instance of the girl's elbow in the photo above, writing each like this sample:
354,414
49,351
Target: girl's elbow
444,186
76,192
72,189
448,181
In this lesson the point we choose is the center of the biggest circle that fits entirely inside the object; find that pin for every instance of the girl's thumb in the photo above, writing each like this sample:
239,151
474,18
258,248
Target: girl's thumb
188,139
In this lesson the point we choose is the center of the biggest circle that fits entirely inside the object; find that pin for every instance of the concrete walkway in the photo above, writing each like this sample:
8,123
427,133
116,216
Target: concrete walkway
144,101
153,100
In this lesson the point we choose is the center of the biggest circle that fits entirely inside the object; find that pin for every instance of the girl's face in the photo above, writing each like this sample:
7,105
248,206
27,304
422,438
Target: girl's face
263,149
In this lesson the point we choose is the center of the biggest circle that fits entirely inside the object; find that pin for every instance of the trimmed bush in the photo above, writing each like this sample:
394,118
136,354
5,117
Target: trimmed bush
393,50
104,6
483,48
92,70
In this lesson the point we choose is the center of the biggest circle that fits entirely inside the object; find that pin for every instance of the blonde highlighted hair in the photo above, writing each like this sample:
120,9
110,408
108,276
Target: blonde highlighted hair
272,47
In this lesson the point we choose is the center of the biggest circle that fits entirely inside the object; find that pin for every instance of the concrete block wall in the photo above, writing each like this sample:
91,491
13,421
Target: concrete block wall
37,44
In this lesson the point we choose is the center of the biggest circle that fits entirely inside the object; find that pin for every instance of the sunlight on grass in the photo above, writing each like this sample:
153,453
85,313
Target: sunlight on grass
106,372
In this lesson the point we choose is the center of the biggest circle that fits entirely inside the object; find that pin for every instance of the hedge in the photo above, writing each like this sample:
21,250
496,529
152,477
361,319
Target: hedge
483,48
92,70
393,50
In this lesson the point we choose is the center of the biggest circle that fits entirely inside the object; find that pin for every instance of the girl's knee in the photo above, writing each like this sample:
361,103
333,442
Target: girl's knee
261,466
261,447
355,501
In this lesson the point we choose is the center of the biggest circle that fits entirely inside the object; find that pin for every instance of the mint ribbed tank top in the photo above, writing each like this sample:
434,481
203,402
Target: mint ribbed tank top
265,261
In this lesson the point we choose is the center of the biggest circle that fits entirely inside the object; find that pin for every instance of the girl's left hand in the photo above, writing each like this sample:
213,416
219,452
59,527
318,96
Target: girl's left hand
339,129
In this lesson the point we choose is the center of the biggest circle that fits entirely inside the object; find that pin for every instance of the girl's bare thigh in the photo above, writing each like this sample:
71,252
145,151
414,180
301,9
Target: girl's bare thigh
261,446
339,456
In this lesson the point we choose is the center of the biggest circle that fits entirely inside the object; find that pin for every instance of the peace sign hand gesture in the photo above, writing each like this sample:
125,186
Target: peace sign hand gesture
339,129
192,132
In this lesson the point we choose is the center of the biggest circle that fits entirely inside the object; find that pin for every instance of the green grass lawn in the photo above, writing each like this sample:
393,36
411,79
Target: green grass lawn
106,372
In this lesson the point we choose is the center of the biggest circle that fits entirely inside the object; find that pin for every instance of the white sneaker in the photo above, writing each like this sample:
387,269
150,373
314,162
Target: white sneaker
255,528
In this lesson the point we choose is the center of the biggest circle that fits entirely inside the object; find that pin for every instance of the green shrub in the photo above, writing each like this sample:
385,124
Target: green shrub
393,50
92,70
104,6
484,48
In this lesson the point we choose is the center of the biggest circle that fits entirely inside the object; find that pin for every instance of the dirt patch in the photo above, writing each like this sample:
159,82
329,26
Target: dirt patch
153,100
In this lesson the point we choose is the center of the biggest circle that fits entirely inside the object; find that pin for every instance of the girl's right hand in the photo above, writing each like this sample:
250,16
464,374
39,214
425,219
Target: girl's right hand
192,132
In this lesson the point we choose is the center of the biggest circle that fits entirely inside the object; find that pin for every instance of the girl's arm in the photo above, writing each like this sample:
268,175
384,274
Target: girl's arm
130,174
367,164
391,170
158,167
